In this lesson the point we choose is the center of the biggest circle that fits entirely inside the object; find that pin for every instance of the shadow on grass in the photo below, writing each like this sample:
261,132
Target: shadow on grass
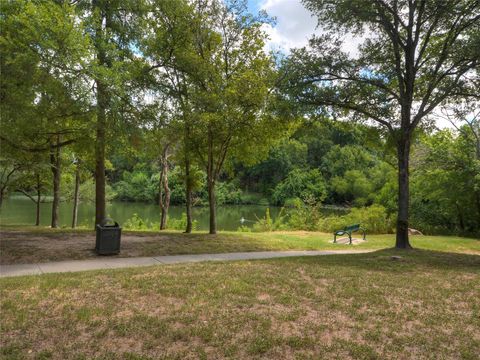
403,261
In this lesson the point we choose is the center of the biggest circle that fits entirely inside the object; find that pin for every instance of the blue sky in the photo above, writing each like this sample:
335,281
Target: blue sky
253,5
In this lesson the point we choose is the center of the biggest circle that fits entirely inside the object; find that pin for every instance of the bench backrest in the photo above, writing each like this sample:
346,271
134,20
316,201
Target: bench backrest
352,227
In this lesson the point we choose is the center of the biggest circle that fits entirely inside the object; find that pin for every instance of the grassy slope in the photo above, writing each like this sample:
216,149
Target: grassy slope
365,306
26,245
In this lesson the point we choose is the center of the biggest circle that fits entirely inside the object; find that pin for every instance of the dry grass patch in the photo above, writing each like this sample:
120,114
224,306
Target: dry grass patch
361,306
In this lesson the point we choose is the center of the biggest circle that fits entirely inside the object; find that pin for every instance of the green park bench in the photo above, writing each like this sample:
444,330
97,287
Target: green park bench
348,230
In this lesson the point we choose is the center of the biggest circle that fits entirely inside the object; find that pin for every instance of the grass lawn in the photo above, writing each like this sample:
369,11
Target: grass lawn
31,245
363,306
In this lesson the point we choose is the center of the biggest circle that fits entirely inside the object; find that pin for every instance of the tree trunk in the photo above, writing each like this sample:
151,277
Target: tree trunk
76,197
211,185
103,22
100,202
37,217
1,198
56,171
164,193
403,148
212,206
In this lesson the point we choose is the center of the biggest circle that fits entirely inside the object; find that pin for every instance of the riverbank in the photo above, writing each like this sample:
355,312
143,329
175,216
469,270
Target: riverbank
20,245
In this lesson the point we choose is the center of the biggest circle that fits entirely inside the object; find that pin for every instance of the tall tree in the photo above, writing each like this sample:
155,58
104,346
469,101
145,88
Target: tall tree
113,27
232,78
417,54
42,90
168,46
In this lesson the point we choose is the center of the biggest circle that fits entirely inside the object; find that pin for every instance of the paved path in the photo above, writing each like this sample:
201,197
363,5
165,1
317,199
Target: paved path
114,263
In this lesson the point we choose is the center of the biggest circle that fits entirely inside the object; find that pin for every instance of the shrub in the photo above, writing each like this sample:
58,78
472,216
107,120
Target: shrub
266,223
181,224
136,223
373,218
305,215
244,228
301,184
136,186
249,198
228,193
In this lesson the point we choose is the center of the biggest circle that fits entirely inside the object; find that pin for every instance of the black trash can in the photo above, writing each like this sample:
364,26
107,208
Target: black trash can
108,237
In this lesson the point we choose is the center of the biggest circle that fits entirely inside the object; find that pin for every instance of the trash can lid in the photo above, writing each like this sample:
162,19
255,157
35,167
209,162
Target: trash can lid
105,222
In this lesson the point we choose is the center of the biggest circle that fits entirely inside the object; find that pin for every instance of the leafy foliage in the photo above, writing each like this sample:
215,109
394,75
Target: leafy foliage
301,184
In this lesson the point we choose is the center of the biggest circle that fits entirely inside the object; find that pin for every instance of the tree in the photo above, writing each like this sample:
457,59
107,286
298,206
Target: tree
33,180
113,27
417,54
301,184
445,183
232,79
9,170
166,46
42,92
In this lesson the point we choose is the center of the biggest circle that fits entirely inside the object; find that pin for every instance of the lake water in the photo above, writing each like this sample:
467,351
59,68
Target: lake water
21,210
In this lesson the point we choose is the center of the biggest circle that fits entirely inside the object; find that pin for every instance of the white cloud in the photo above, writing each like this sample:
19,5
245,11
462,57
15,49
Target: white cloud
294,26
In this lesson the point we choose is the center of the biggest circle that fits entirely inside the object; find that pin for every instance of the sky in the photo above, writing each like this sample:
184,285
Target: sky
294,25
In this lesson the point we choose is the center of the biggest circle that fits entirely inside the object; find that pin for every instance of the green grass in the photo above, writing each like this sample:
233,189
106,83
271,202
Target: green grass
364,306
30,244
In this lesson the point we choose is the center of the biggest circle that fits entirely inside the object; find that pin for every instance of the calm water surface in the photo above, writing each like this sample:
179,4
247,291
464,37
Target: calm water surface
21,210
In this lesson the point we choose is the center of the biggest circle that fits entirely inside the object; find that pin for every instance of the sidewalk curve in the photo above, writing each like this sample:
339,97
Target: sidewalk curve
117,262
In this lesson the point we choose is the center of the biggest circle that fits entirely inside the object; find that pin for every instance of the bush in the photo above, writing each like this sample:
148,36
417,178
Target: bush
249,198
181,224
228,193
301,184
266,223
305,215
244,228
137,186
373,218
137,223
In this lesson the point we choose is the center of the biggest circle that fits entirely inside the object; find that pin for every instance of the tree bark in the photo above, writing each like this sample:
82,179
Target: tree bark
211,184
56,171
403,149
76,197
102,103
100,202
164,193
212,206
37,215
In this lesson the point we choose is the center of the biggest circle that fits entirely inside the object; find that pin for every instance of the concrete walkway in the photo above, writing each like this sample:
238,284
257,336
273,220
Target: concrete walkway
114,263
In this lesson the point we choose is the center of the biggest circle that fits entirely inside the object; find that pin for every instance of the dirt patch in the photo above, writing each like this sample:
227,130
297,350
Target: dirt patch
18,247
